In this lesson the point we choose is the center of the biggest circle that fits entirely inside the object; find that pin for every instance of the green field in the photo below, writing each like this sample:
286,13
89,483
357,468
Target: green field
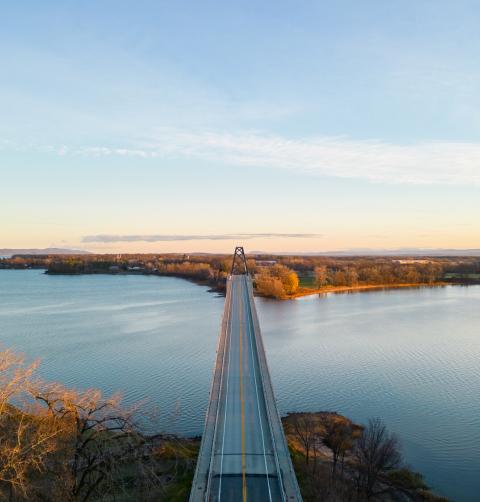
451,275
306,281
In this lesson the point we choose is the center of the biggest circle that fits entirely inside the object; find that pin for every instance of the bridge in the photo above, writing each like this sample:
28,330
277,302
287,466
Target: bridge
243,455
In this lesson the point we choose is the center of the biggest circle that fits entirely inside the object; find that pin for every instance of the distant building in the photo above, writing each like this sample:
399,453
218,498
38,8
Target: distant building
135,269
412,261
265,263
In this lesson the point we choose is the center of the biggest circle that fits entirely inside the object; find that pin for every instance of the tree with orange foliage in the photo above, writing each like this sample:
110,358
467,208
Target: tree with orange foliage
276,282
290,283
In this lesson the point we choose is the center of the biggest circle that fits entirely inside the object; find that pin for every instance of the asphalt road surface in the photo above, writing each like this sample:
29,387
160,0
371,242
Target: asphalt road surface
243,463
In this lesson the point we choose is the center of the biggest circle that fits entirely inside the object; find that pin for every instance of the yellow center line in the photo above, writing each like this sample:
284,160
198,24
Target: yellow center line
242,397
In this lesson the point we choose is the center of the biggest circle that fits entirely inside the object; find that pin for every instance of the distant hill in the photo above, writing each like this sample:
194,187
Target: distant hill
382,252
11,252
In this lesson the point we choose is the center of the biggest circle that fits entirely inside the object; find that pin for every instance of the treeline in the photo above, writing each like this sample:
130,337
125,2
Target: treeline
305,264
274,276
74,265
368,273
211,270
214,272
25,261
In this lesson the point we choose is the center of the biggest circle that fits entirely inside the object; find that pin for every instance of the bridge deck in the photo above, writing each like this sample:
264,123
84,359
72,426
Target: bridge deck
243,454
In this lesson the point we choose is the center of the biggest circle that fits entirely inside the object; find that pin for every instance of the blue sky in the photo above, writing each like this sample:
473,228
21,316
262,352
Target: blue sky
330,125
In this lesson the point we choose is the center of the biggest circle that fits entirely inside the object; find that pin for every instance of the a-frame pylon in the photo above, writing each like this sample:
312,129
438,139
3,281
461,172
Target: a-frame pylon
239,262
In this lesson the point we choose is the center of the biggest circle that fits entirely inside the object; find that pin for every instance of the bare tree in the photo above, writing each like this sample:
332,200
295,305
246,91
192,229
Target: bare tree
100,438
27,436
321,276
376,452
14,377
339,436
304,428
67,444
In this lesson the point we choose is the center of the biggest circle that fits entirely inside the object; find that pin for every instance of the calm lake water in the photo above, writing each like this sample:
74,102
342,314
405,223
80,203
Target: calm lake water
411,357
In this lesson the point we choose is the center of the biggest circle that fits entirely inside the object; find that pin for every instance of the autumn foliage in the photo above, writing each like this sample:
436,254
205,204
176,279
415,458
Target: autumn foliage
277,281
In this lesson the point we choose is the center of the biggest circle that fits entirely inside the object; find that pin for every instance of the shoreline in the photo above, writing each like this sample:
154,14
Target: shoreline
365,288
301,293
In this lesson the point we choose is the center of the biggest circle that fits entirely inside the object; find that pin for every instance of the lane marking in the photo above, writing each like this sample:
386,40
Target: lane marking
242,397
258,403
228,338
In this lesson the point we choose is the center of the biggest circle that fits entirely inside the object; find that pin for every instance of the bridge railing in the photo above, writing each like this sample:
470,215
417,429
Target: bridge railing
203,472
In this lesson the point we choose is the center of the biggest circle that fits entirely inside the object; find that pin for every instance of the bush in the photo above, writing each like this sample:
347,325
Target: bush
405,478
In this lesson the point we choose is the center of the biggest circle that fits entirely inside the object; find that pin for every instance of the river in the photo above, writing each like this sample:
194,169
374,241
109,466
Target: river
411,357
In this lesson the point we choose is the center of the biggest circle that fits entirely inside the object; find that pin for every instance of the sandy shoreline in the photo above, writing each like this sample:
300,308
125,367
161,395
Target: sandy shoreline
360,288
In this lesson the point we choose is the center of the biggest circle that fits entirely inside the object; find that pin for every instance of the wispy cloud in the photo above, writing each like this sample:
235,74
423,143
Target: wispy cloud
107,238
373,160
432,162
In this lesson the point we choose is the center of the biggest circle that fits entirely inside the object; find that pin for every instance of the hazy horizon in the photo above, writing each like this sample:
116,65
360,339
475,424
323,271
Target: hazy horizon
407,251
